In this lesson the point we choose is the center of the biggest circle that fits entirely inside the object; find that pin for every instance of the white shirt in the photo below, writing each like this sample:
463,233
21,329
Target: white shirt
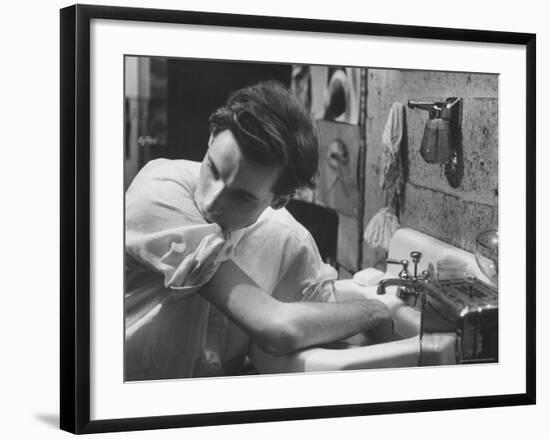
171,251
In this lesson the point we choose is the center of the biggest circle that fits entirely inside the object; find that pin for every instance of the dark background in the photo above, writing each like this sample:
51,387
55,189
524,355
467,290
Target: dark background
196,89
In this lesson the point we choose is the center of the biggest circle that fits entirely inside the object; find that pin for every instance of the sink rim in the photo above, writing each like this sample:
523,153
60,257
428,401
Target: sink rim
402,351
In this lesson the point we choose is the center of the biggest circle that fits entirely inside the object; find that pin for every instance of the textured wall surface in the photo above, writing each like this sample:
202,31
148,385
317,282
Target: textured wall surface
431,205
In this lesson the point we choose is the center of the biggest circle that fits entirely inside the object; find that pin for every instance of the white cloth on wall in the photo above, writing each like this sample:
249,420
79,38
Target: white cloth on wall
381,228
391,176
385,222
172,251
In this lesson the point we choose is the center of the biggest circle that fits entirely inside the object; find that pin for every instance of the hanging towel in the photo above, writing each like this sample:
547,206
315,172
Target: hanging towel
381,228
385,222
391,176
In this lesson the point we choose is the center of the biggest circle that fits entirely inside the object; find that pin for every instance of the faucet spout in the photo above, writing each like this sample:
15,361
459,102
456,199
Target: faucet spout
409,289
394,282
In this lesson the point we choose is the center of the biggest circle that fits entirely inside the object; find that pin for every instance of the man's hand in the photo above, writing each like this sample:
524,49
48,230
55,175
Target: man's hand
382,323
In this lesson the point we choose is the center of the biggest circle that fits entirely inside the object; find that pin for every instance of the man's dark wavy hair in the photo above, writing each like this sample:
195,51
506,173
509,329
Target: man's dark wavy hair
272,127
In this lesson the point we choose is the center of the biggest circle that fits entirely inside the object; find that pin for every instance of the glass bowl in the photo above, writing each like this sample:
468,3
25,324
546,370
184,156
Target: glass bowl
486,253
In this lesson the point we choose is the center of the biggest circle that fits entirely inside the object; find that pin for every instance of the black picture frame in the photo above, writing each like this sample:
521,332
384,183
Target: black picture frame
75,217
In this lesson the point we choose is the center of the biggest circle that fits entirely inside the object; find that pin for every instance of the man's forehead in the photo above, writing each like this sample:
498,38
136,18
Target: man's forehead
240,173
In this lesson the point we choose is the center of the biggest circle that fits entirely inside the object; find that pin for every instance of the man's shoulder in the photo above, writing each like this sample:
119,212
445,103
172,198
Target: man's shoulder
281,221
184,173
163,167
270,246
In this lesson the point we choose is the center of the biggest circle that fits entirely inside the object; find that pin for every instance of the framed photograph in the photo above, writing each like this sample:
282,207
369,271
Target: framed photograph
274,218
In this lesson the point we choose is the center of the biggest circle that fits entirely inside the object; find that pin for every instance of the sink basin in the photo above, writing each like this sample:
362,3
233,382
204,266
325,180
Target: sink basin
355,352
403,350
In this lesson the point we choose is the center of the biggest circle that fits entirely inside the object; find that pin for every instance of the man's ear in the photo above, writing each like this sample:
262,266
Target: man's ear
210,139
280,201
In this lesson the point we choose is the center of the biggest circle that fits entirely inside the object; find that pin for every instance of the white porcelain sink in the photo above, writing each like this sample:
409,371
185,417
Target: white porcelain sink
355,352
404,349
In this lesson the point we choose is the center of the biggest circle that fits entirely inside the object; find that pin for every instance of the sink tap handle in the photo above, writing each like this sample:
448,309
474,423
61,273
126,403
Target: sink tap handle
404,273
415,256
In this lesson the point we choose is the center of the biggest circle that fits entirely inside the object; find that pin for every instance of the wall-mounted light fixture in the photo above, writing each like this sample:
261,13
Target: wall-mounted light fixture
442,139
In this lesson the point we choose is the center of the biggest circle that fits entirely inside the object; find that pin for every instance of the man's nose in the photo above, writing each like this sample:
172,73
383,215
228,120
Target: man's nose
213,202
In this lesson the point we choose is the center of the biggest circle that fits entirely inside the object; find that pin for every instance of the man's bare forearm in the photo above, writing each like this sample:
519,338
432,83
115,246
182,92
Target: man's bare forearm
319,323
280,328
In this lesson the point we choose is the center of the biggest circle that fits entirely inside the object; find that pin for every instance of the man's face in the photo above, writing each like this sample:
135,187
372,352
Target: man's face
233,191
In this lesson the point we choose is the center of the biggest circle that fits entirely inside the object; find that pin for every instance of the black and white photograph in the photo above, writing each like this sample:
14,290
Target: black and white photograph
275,219
297,218
272,219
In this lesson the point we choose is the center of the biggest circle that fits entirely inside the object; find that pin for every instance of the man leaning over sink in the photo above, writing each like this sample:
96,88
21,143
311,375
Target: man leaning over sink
216,234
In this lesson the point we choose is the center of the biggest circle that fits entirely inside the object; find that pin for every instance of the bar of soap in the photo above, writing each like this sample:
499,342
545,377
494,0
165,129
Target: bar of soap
368,277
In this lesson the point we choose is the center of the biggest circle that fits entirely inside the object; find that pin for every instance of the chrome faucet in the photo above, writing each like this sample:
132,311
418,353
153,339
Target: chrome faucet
410,286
